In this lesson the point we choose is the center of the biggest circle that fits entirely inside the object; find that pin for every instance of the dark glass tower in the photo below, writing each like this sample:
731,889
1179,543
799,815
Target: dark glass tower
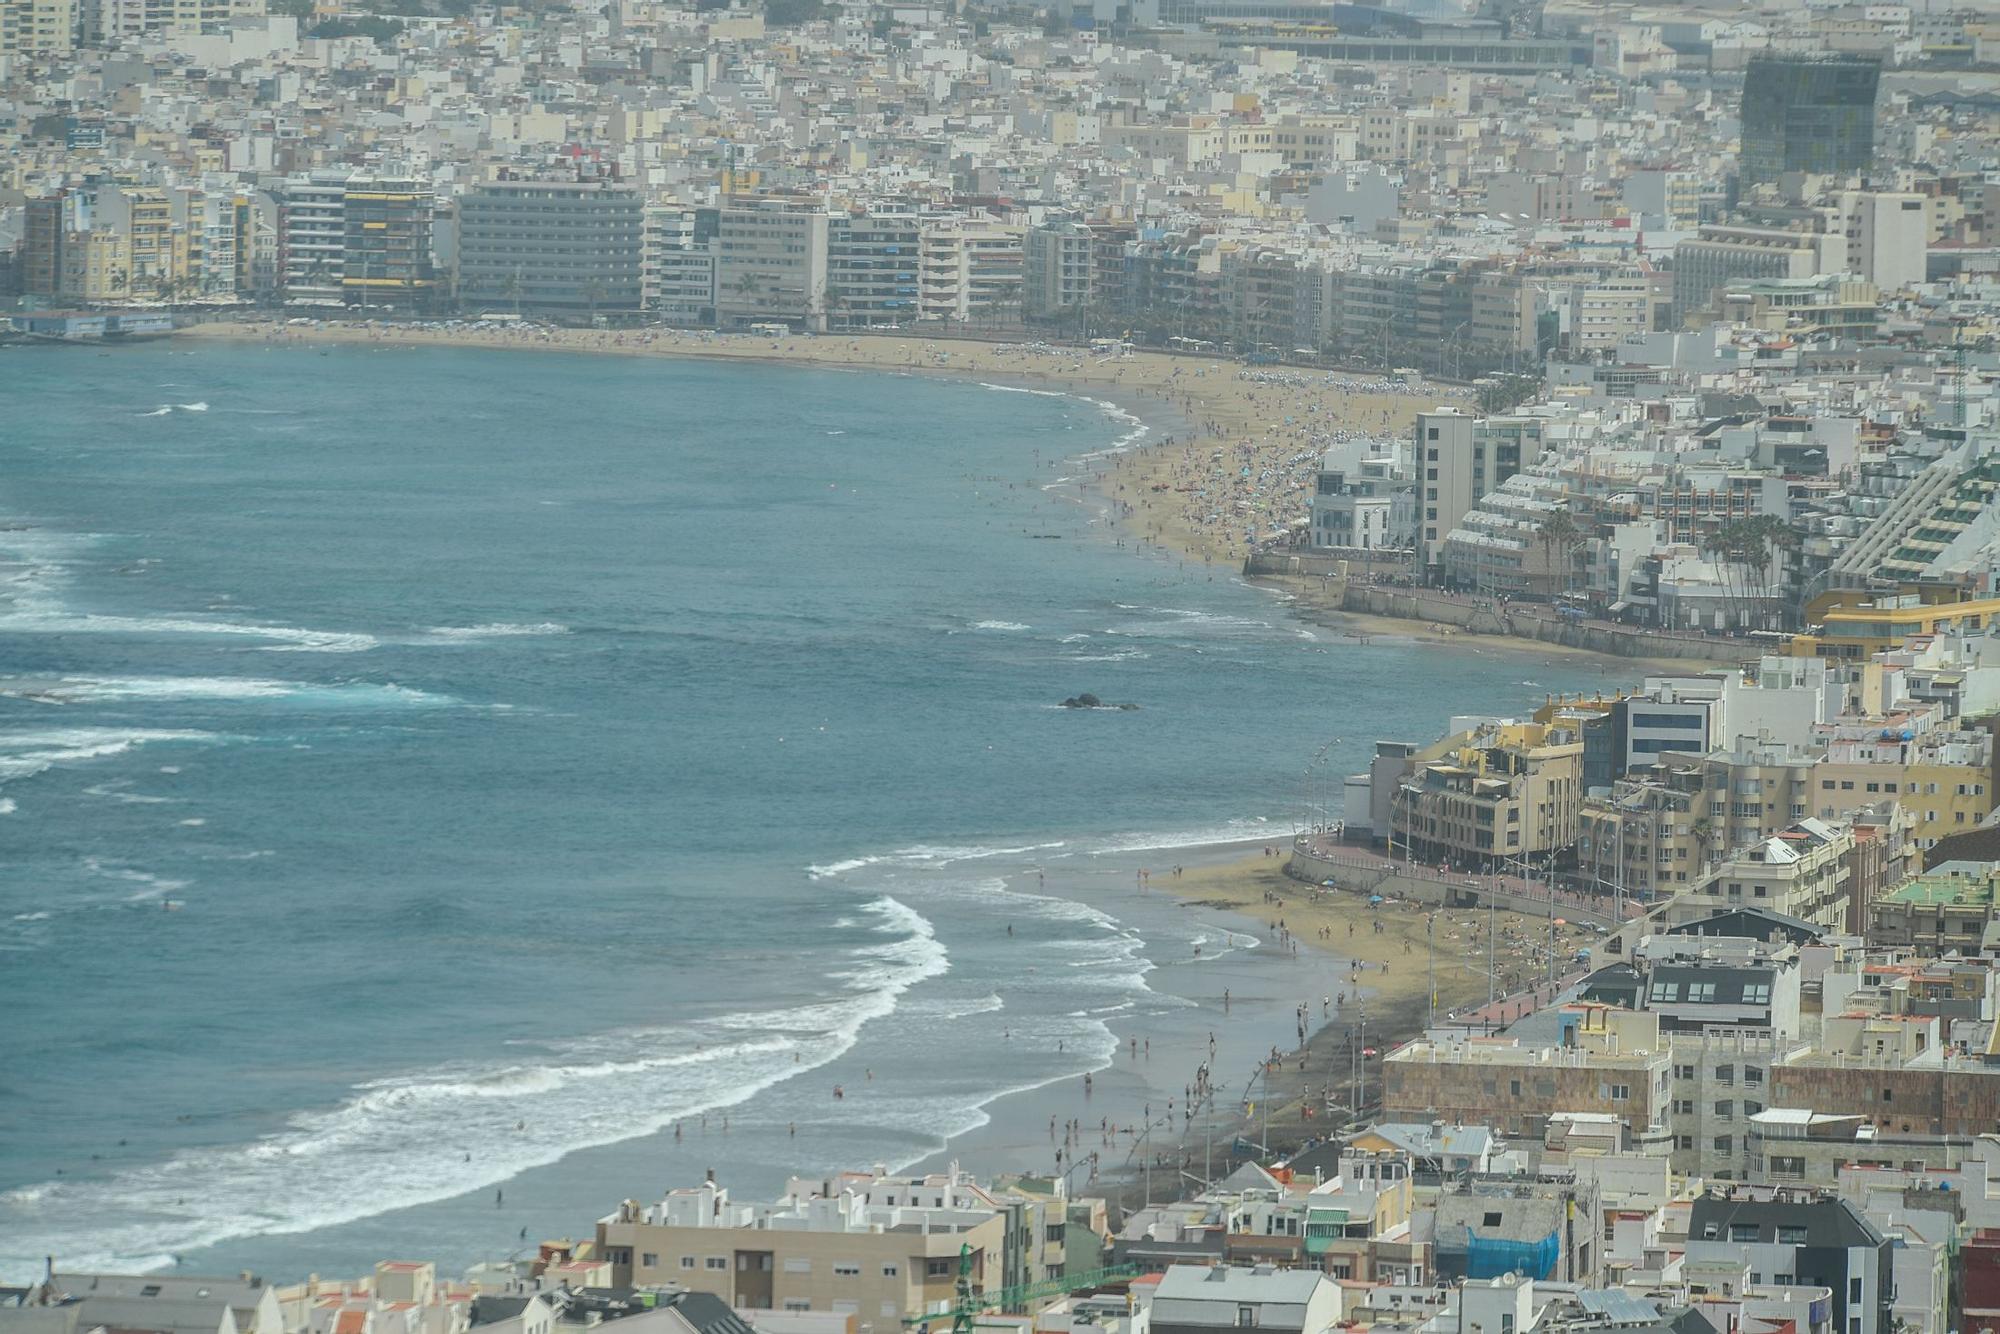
1808,113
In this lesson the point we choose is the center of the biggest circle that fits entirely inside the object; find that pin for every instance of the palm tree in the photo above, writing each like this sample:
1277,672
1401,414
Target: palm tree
745,285
510,287
1704,833
1559,534
594,292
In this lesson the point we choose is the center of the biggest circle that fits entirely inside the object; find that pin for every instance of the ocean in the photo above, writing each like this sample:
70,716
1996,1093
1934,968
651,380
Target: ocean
428,778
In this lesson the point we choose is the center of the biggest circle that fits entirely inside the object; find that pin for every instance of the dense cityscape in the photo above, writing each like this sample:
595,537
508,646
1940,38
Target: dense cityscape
1658,337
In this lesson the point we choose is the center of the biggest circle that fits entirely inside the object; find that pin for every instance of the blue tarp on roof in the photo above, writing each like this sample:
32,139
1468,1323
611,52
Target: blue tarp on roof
1490,1257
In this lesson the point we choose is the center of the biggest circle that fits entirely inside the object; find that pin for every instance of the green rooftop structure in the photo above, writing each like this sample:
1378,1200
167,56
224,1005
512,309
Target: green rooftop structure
1948,907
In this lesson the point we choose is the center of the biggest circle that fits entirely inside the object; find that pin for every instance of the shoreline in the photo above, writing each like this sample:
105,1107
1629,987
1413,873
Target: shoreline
1262,426
1396,983
1215,438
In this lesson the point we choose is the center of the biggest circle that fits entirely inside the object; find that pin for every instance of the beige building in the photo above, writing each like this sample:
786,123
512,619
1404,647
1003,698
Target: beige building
771,263
1756,789
29,27
1610,1060
1498,792
1653,832
1804,871
876,1248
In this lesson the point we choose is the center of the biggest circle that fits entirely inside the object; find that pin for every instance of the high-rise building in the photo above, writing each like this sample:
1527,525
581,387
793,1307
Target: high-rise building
1459,460
558,247
1058,269
872,260
680,263
109,20
386,255
1808,113
28,27
45,227
771,263
312,237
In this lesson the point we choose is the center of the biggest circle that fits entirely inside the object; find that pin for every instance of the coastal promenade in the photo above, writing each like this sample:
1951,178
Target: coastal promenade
1317,859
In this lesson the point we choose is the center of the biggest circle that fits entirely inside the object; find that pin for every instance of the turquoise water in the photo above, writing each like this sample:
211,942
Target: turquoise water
434,772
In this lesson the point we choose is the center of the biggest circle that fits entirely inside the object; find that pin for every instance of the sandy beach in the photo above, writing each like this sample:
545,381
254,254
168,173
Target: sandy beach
1383,991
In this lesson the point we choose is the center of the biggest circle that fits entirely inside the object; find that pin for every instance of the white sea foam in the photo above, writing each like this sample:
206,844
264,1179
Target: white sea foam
161,411
7,806
36,617
152,885
192,407
403,1140
25,754
929,857
121,689
998,625
1021,389
496,630
118,789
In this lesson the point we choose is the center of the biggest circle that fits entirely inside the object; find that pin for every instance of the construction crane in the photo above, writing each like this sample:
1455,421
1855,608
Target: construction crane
1021,1296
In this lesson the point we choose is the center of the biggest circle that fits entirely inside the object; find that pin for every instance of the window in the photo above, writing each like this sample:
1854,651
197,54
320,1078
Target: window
937,1267
1725,1109
1683,1072
1701,991
1791,1234
1753,1074
1666,991
888,1271
1888,1095
1723,1145
797,1304
1684,1141
1756,993
687,1262
1725,1074
1054,1234
1620,1092
1743,1232
1490,1219
1246,1316
718,1262
846,1269
798,1265
1854,1289
650,1260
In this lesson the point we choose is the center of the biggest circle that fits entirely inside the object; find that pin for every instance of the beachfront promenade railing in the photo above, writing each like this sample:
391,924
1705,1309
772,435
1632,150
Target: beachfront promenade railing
1316,859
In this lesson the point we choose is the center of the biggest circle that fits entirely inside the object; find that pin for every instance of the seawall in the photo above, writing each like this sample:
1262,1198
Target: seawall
1337,583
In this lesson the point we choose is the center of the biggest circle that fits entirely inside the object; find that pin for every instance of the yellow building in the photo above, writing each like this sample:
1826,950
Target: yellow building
1495,793
1852,632
96,267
